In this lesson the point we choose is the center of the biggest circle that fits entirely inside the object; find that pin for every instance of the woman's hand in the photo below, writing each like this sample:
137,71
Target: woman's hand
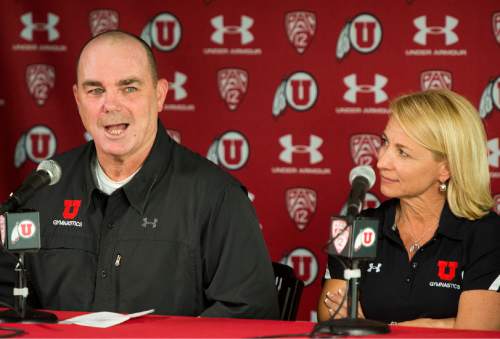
333,300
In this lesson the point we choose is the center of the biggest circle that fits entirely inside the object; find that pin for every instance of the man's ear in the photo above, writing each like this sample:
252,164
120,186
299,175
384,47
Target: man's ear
75,94
161,93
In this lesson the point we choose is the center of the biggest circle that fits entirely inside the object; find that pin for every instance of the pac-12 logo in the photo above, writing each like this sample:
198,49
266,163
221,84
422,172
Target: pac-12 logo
363,33
231,150
164,32
299,91
40,79
364,148
304,264
435,79
301,205
103,20
232,83
300,28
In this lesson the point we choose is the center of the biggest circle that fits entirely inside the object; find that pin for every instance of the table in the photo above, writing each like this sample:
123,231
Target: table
155,326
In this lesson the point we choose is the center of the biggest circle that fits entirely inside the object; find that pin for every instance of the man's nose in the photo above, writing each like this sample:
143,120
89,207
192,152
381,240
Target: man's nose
112,102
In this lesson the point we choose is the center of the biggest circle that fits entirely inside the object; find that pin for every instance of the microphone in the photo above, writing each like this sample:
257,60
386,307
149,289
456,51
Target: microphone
48,172
362,179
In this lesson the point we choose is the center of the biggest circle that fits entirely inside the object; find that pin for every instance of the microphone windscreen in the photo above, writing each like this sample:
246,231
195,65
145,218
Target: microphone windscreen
52,168
364,171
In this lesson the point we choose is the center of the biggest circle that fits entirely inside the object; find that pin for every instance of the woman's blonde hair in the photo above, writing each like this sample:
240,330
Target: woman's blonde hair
449,126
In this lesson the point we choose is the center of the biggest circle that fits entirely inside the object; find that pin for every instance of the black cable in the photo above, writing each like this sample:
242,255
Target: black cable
11,332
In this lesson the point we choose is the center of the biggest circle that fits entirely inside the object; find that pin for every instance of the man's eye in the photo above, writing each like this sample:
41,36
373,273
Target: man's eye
130,89
96,91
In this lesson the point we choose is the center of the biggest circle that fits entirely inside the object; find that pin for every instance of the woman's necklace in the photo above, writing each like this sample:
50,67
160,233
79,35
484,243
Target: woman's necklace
415,243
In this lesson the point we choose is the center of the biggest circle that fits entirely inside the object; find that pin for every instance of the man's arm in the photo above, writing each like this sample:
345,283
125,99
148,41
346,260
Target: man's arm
237,270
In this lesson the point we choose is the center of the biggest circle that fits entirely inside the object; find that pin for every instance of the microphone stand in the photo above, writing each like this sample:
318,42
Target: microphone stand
21,311
352,325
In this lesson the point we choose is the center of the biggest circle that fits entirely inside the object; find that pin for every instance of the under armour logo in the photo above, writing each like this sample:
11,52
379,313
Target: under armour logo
146,223
178,86
372,267
421,36
351,94
246,23
30,26
312,149
493,152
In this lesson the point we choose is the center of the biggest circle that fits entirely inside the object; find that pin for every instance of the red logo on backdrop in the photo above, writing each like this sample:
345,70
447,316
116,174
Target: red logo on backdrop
301,205
490,98
496,25
364,148
174,134
304,264
230,150
164,32
447,269
103,20
233,83
71,208
40,80
300,27
435,79
363,34
38,144
497,203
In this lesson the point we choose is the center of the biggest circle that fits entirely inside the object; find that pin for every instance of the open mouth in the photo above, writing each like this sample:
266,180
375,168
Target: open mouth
117,129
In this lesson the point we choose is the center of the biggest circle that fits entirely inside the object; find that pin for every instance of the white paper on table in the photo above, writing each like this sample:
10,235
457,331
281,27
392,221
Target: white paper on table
103,319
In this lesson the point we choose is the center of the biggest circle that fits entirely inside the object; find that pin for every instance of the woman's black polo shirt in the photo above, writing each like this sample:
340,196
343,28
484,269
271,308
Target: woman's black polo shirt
463,255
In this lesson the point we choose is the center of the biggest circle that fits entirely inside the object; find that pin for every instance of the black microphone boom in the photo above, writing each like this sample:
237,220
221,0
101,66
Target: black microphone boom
362,179
48,172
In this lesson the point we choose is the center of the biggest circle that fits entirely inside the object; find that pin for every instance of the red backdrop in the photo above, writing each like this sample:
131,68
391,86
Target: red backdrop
288,96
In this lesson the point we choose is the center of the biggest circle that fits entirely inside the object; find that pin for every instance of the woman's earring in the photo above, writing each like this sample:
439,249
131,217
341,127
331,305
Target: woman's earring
443,187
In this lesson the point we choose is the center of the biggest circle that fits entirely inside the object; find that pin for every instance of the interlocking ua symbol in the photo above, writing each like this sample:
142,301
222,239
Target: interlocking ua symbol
312,149
423,30
372,267
377,88
30,26
177,86
243,30
146,222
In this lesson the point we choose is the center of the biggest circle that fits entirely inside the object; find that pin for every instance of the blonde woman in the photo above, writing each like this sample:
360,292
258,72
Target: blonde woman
438,258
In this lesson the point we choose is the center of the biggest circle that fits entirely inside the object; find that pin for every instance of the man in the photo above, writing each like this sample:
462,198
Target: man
138,221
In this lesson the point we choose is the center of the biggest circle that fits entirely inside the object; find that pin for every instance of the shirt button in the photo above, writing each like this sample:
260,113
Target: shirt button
104,274
408,280
414,265
111,225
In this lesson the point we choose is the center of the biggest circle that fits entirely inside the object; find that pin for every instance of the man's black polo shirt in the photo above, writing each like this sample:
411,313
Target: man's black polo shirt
463,255
181,237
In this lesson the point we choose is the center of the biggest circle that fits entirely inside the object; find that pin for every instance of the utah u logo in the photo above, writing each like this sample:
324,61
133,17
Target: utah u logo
71,208
447,269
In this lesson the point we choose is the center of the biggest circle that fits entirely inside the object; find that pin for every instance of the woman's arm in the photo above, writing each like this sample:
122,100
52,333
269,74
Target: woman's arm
331,298
479,310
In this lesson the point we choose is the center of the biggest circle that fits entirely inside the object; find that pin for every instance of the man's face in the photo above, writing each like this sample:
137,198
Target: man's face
117,99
